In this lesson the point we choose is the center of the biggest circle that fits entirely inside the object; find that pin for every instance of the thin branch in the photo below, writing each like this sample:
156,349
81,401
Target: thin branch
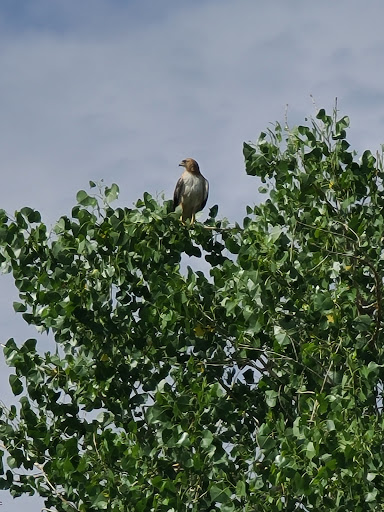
214,228
350,229
316,404
319,191
53,488
95,445
280,356
378,317
323,229
322,261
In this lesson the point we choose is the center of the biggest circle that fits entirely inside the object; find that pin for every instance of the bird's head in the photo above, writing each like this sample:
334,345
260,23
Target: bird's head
190,165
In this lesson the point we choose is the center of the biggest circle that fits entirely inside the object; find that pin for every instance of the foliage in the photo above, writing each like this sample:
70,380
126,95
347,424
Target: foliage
256,387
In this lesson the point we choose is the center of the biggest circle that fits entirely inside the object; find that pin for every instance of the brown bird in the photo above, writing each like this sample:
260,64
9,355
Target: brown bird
191,191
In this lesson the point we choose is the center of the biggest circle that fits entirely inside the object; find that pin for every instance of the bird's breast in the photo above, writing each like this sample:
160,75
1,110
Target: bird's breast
193,190
193,184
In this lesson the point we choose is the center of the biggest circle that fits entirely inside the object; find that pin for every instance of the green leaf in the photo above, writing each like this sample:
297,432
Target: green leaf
310,450
207,439
274,234
213,211
12,463
184,440
281,336
101,502
33,216
232,246
241,489
271,397
84,199
112,193
19,307
362,323
16,384
219,495
371,496
323,302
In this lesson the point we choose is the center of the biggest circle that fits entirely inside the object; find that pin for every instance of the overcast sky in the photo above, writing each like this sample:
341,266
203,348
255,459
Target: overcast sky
122,90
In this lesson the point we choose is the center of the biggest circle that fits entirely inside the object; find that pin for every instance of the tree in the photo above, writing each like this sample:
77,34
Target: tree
256,386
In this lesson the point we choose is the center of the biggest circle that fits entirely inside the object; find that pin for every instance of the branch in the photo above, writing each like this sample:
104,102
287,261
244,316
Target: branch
53,488
316,404
326,230
214,228
364,261
378,317
280,356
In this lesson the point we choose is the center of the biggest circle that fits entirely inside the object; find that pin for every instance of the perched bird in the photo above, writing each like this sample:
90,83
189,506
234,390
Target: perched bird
191,191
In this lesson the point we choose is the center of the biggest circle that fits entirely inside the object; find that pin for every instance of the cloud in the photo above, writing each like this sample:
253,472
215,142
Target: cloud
124,90
88,94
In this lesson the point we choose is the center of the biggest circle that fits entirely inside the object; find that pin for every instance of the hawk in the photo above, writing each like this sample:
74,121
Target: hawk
191,192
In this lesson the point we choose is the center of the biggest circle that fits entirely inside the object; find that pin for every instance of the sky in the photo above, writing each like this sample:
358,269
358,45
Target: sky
123,90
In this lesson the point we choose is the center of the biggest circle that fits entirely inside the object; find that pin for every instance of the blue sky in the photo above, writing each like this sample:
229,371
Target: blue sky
123,90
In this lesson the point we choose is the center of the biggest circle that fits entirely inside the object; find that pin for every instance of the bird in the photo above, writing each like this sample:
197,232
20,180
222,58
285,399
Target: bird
191,192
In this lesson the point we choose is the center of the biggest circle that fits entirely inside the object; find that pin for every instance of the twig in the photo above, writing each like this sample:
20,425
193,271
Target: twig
214,228
95,445
280,356
350,229
322,261
324,230
292,244
378,317
53,488
377,287
316,404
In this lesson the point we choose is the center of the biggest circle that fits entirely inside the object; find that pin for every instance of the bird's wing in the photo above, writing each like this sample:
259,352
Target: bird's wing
179,190
205,195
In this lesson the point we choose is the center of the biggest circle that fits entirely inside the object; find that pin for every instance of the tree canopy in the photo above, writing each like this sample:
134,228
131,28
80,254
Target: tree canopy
256,385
